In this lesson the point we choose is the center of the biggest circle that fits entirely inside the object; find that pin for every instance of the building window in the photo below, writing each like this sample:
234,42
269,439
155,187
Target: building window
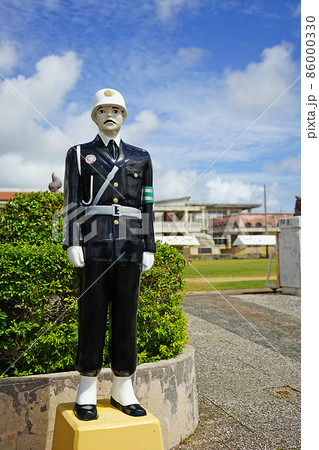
203,250
217,212
195,217
219,240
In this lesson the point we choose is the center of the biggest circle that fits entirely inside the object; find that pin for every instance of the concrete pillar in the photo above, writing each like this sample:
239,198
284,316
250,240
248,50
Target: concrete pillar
289,255
203,219
186,218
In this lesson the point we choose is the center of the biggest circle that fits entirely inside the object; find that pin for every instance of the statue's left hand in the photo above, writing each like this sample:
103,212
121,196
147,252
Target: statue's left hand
75,256
148,261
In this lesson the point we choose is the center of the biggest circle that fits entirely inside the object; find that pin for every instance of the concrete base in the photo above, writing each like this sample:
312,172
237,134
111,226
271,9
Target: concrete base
291,291
112,429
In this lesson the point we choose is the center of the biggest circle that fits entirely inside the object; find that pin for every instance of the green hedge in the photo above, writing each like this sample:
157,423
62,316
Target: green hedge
38,286
28,217
161,322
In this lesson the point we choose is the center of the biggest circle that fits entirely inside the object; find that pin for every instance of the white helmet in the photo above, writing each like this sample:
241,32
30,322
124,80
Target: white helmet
108,97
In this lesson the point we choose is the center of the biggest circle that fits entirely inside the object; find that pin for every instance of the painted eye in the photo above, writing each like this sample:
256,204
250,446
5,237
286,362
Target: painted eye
101,111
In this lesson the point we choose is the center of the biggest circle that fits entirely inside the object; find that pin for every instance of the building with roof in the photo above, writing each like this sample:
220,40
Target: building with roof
185,225
246,233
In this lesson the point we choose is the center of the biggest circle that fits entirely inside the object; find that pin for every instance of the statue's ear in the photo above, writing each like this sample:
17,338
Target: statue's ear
94,117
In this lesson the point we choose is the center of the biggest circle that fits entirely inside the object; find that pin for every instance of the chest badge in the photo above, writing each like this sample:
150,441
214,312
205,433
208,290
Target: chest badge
90,159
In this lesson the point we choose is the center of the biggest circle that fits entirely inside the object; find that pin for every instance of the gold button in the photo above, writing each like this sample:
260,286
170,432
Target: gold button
115,200
116,222
135,175
115,184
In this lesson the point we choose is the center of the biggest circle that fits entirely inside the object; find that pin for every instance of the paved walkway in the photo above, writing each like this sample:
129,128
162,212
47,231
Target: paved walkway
248,370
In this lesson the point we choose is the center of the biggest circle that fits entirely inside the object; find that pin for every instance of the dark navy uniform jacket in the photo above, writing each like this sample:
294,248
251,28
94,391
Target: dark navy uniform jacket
106,238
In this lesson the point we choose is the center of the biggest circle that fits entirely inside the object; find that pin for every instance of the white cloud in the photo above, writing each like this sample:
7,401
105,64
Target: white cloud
8,56
234,191
297,11
17,171
261,83
54,78
145,122
207,188
78,128
28,103
166,9
203,116
51,5
30,146
224,188
172,183
289,165
190,56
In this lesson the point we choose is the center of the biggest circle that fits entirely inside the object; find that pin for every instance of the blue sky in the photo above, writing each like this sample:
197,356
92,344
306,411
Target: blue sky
211,88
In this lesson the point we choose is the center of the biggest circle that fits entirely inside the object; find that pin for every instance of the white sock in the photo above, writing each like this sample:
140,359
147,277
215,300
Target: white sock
87,391
122,391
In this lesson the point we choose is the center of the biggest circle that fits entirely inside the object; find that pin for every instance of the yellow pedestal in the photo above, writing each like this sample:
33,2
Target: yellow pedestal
112,430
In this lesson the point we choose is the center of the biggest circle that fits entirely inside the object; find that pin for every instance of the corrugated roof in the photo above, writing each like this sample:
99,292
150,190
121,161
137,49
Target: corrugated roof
246,240
178,240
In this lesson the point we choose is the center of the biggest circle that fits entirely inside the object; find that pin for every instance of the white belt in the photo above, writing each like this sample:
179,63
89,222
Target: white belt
113,210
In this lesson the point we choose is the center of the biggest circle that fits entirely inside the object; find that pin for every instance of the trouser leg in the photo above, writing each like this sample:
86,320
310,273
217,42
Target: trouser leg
125,297
93,306
101,286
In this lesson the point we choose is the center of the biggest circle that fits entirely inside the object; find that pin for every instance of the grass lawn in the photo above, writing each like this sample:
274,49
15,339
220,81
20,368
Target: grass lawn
228,274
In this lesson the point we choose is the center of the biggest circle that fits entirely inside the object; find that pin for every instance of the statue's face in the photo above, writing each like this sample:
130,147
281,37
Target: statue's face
109,119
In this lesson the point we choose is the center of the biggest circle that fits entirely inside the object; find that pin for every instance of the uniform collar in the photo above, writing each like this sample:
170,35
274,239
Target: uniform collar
106,139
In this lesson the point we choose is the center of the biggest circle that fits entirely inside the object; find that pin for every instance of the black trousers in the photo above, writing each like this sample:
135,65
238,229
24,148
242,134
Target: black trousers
115,289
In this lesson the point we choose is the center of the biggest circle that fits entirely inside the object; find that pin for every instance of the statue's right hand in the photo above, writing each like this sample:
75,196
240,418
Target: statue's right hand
75,256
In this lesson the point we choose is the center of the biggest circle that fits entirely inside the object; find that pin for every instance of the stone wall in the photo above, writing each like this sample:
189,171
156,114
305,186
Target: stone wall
167,389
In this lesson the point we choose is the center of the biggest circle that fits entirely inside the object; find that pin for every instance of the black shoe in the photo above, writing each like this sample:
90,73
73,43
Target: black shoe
85,412
135,410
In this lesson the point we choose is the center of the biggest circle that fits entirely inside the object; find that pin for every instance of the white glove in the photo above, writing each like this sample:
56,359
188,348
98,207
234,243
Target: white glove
148,261
75,256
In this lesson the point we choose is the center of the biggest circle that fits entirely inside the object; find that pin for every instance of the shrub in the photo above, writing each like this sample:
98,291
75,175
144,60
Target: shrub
161,322
38,307
37,286
28,217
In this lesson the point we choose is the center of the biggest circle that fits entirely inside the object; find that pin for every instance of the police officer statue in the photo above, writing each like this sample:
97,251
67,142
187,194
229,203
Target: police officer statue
108,234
